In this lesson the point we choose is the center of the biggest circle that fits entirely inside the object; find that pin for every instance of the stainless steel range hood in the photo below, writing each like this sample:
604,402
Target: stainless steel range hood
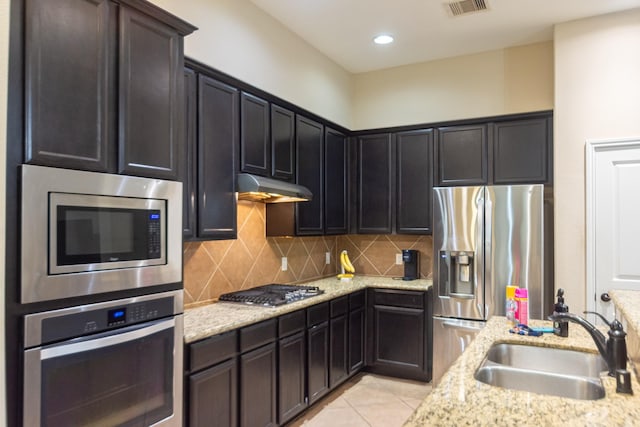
267,190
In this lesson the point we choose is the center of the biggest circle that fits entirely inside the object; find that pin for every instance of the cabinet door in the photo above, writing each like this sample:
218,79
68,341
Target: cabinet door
291,373
335,182
188,160
70,81
255,150
414,181
399,340
217,145
461,155
150,96
318,361
521,151
282,143
258,387
375,185
338,350
213,396
356,339
309,171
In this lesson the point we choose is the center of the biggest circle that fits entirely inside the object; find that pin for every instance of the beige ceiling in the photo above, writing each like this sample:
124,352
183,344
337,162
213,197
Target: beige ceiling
424,29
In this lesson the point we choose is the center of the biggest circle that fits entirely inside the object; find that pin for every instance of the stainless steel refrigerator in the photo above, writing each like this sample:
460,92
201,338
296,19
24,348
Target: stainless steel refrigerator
484,238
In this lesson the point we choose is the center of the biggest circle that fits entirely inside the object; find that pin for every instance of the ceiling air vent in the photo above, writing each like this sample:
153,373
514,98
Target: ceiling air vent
467,6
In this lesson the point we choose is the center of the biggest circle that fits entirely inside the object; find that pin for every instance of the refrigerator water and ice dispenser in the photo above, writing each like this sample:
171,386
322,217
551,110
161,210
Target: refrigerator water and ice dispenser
456,272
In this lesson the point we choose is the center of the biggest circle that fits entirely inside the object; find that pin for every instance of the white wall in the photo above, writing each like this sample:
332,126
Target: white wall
4,59
497,82
239,39
597,96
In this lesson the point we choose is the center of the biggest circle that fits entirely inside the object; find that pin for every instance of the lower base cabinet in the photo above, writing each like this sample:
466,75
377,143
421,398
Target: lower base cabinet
291,376
267,373
214,396
399,330
258,387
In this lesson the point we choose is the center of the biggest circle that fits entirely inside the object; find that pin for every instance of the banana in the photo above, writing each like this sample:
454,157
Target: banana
345,276
346,262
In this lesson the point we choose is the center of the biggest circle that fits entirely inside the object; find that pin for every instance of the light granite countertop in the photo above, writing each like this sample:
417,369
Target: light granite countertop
628,304
219,317
460,400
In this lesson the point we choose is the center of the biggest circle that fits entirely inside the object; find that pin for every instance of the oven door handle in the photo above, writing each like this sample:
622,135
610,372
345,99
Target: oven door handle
118,336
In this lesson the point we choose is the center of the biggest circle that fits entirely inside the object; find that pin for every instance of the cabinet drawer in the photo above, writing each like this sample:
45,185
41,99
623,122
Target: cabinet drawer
256,335
339,306
317,314
291,323
398,298
212,350
356,300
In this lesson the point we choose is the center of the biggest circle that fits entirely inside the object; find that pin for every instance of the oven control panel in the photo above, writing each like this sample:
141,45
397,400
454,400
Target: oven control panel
96,318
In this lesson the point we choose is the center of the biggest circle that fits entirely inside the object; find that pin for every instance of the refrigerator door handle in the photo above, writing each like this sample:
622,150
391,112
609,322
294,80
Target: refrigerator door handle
458,325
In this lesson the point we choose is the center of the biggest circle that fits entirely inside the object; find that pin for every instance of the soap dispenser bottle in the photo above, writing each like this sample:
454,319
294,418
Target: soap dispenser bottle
560,327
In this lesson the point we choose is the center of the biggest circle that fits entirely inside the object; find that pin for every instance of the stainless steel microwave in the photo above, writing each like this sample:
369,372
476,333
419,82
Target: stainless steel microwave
86,233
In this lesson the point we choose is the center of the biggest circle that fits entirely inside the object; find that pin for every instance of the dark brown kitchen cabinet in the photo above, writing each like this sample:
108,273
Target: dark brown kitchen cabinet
282,143
398,330
258,374
357,310
317,351
103,86
255,147
414,181
212,381
214,396
189,161
336,179
292,365
217,148
375,192
309,172
461,155
339,341
521,151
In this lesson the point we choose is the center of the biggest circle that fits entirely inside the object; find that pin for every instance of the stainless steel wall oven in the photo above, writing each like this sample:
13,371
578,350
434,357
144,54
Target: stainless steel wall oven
110,363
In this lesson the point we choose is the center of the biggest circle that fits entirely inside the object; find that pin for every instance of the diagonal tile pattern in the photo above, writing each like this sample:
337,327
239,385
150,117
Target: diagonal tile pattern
216,267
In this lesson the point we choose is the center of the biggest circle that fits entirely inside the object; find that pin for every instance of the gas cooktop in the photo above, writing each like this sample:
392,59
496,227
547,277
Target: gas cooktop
272,295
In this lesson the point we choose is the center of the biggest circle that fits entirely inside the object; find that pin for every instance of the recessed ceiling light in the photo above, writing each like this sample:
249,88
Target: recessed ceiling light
383,39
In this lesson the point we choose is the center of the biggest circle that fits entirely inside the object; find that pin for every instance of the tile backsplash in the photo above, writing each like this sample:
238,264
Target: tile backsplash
213,268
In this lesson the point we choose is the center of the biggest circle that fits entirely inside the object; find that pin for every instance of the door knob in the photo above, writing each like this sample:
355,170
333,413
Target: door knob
605,297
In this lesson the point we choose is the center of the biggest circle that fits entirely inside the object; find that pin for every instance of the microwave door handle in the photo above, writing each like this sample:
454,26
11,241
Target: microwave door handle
112,338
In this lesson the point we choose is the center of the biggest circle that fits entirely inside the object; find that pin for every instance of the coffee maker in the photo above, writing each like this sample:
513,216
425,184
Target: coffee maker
411,259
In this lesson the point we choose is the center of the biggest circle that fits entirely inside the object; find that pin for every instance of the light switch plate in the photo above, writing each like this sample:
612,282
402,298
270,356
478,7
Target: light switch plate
398,259
284,263
327,258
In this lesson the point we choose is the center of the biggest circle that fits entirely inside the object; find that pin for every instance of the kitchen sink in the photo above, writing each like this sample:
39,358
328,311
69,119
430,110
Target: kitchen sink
543,370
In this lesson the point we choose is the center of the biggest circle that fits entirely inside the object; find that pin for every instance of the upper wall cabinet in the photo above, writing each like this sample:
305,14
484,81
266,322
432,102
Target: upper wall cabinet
309,172
521,151
414,181
506,151
375,193
267,135
462,155
255,152
103,86
336,179
282,143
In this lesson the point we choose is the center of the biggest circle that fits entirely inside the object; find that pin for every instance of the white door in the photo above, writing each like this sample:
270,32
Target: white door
613,220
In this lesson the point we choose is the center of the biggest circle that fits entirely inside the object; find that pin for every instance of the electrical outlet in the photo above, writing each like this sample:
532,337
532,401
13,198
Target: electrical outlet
327,258
284,263
398,259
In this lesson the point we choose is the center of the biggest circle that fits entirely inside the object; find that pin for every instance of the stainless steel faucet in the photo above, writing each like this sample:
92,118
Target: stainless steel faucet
612,350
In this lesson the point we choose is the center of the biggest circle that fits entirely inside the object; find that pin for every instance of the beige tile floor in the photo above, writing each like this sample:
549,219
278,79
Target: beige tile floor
366,400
